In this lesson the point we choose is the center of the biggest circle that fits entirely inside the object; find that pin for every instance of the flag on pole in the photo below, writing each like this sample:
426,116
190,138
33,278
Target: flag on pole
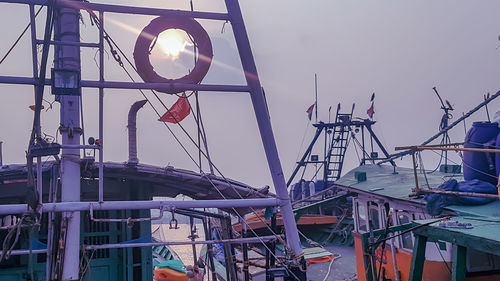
371,110
178,111
310,111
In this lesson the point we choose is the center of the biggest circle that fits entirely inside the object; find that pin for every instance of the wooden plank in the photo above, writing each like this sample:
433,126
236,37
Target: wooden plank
458,263
418,258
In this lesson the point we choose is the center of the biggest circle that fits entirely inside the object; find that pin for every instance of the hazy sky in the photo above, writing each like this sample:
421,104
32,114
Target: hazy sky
398,49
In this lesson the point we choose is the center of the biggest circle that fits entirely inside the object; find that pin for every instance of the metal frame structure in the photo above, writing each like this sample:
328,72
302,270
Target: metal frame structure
324,128
67,45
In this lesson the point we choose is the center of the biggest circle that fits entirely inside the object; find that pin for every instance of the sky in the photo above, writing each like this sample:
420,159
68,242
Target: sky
398,49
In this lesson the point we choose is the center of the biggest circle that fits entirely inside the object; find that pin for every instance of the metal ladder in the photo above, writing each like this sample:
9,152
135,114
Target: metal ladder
338,144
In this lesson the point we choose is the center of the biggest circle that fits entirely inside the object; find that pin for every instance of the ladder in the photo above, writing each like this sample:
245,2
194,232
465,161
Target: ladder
339,141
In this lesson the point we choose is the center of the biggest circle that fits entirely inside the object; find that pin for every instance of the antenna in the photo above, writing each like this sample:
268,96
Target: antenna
316,96
446,107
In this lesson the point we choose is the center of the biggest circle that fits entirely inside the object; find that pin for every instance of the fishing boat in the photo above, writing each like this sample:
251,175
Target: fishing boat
401,235
69,215
387,208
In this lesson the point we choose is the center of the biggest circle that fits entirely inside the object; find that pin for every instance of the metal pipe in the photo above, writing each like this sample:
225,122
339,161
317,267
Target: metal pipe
140,205
193,236
393,248
1,157
132,131
245,250
458,193
208,235
81,44
101,107
66,28
125,9
79,146
452,149
134,85
152,244
414,161
26,252
265,129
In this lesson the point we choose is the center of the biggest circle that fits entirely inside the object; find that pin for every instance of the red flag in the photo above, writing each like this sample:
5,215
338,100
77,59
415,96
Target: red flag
310,111
32,107
178,111
371,111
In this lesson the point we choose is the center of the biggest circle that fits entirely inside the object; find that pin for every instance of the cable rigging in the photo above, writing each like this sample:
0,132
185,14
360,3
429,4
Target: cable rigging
117,57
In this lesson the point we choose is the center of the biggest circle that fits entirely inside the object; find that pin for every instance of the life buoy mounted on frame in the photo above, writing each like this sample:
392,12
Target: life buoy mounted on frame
152,30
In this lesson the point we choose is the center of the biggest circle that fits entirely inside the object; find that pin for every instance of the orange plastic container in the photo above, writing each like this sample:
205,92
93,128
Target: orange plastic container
167,274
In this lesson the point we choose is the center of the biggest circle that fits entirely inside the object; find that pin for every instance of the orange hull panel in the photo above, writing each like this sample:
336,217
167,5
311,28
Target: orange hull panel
255,222
433,270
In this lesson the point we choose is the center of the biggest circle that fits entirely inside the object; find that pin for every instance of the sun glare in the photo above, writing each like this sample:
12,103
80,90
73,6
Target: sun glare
172,42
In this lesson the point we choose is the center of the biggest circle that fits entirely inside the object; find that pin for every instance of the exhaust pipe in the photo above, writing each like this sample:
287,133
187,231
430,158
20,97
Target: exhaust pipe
132,132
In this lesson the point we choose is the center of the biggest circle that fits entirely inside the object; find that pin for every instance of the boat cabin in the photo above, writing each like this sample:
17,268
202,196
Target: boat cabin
383,193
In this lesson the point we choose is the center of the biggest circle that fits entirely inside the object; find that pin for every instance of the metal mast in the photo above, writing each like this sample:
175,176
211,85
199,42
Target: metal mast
66,57
264,123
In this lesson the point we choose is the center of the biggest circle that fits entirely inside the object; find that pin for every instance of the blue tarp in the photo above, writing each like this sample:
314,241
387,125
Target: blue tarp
436,202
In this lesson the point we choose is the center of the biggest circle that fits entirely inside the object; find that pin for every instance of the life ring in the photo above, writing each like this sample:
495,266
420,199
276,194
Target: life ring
152,30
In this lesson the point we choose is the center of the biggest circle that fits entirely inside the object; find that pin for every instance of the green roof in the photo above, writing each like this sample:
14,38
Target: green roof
396,183
381,180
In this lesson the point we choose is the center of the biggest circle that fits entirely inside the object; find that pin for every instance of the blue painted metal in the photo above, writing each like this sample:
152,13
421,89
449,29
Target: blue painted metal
66,28
141,205
134,85
264,123
497,156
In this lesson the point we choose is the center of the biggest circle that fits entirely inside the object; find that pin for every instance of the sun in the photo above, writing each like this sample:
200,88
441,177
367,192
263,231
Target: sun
173,42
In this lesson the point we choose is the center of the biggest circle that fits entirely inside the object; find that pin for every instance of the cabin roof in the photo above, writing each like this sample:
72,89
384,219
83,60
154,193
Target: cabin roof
381,180
122,178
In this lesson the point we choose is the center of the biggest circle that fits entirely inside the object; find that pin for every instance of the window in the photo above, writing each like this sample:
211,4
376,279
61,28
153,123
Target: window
406,239
374,216
361,216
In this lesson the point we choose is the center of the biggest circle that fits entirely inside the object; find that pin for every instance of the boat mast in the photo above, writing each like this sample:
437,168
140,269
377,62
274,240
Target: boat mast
266,132
66,57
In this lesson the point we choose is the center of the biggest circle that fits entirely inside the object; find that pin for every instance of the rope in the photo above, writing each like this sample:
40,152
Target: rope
118,59
27,220
19,38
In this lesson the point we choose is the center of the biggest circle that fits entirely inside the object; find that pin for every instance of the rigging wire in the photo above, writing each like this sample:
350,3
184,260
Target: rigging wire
19,38
32,196
118,59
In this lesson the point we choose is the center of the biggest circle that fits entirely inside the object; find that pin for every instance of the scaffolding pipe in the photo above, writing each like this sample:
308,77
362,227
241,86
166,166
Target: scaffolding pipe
125,9
81,44
25,252
140,205
152,244
133,85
